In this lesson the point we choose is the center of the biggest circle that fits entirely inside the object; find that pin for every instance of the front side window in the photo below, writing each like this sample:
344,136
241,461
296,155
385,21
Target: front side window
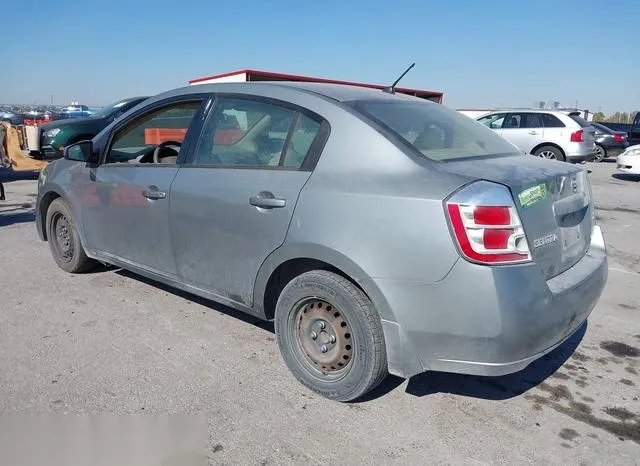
246,133
493,121
435,131
167,124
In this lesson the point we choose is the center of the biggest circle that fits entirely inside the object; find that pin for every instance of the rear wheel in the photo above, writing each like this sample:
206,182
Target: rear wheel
549,152
64,241
330,336
601,154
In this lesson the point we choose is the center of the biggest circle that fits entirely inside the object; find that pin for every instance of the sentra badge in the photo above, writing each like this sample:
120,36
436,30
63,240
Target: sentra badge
538,242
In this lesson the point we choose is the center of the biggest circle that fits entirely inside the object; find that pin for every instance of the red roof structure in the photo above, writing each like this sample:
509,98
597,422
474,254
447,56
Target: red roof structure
249,75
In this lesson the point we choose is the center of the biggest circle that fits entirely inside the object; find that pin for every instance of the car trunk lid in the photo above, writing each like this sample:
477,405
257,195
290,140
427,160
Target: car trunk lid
553,200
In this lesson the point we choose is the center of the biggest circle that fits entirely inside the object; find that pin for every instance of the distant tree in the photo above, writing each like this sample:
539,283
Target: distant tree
615,118
599,116
633,117
624,117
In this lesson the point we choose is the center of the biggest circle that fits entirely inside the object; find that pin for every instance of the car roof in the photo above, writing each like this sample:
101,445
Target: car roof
336,92
531,110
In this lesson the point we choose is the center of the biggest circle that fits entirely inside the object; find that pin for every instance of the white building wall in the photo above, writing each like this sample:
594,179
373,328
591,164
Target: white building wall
234,78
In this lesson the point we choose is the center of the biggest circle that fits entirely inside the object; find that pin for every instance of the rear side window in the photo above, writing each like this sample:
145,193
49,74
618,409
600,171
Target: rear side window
248,133
532,120
551,121
435,131
581,121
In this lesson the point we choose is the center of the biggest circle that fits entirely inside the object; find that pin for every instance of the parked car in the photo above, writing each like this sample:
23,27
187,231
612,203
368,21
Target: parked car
623,127
545,133
609,143
12,117
380,232
633,135
629,161
56,135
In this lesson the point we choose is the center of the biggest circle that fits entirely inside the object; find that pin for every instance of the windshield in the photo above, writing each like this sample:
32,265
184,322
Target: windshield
435,131
109,109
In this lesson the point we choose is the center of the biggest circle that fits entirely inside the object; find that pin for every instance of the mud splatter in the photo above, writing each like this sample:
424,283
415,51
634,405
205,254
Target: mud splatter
561,376
624,430
621,414
557,393
570,367
628,306
631,370
581,383
566,445
627,382
620,350
582,407
588,399
568,434
578,356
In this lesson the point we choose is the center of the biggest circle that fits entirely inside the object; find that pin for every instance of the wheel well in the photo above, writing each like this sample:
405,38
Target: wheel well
46,201
286,272
548,144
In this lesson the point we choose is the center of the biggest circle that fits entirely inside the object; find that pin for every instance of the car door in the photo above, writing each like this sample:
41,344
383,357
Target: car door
493,121
232,204
634,132
126,202
523,129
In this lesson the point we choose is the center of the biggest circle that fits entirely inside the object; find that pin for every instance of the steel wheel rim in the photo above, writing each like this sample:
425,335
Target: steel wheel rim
63,237
324,342
547,154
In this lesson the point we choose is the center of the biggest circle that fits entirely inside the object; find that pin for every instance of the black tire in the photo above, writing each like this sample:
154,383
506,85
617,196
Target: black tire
601,154
359,362
549,152
64,241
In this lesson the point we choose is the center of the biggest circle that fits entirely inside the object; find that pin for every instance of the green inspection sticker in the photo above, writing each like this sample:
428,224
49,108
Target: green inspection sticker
530,196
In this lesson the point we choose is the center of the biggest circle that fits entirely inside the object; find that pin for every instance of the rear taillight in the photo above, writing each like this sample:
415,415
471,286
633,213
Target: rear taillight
618,137
486,225
577,136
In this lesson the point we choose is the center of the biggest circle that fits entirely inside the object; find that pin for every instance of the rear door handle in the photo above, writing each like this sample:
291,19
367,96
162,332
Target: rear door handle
267,202
152,193
533,133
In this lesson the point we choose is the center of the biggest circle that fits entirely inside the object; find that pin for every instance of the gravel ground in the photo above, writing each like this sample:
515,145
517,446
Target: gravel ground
114,343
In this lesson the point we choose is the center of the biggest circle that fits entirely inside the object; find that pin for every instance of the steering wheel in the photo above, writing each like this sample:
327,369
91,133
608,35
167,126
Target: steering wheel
159,147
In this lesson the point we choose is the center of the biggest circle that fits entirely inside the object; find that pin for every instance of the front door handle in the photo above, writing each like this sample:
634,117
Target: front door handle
267,202
152,193
533,133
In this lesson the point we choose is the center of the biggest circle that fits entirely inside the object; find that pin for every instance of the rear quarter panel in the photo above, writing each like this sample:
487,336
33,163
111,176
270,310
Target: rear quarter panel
372,205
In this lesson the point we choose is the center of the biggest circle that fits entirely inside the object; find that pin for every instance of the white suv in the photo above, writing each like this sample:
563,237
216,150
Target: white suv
545,133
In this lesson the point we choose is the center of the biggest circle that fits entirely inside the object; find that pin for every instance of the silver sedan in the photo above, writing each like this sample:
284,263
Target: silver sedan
380,232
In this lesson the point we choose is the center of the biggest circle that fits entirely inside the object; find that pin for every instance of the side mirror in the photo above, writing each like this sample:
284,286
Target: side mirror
80,152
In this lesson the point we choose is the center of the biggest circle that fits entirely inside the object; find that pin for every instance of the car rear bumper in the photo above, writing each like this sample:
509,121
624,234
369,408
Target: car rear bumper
494,320
578,152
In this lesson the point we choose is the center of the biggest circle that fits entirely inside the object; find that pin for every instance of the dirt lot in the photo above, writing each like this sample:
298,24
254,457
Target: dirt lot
113,343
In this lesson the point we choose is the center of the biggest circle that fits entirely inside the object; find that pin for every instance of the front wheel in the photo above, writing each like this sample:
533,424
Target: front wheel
64,240
330,336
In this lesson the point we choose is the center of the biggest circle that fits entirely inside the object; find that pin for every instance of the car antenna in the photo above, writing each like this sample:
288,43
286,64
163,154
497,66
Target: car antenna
392,89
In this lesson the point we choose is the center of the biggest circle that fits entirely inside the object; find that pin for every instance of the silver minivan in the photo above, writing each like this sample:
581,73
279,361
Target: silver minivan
545,133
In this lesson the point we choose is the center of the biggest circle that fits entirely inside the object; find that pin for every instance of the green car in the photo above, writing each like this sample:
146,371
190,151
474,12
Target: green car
54,136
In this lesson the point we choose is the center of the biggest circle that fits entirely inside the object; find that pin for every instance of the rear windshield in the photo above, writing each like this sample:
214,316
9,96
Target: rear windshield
581,121
435,131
